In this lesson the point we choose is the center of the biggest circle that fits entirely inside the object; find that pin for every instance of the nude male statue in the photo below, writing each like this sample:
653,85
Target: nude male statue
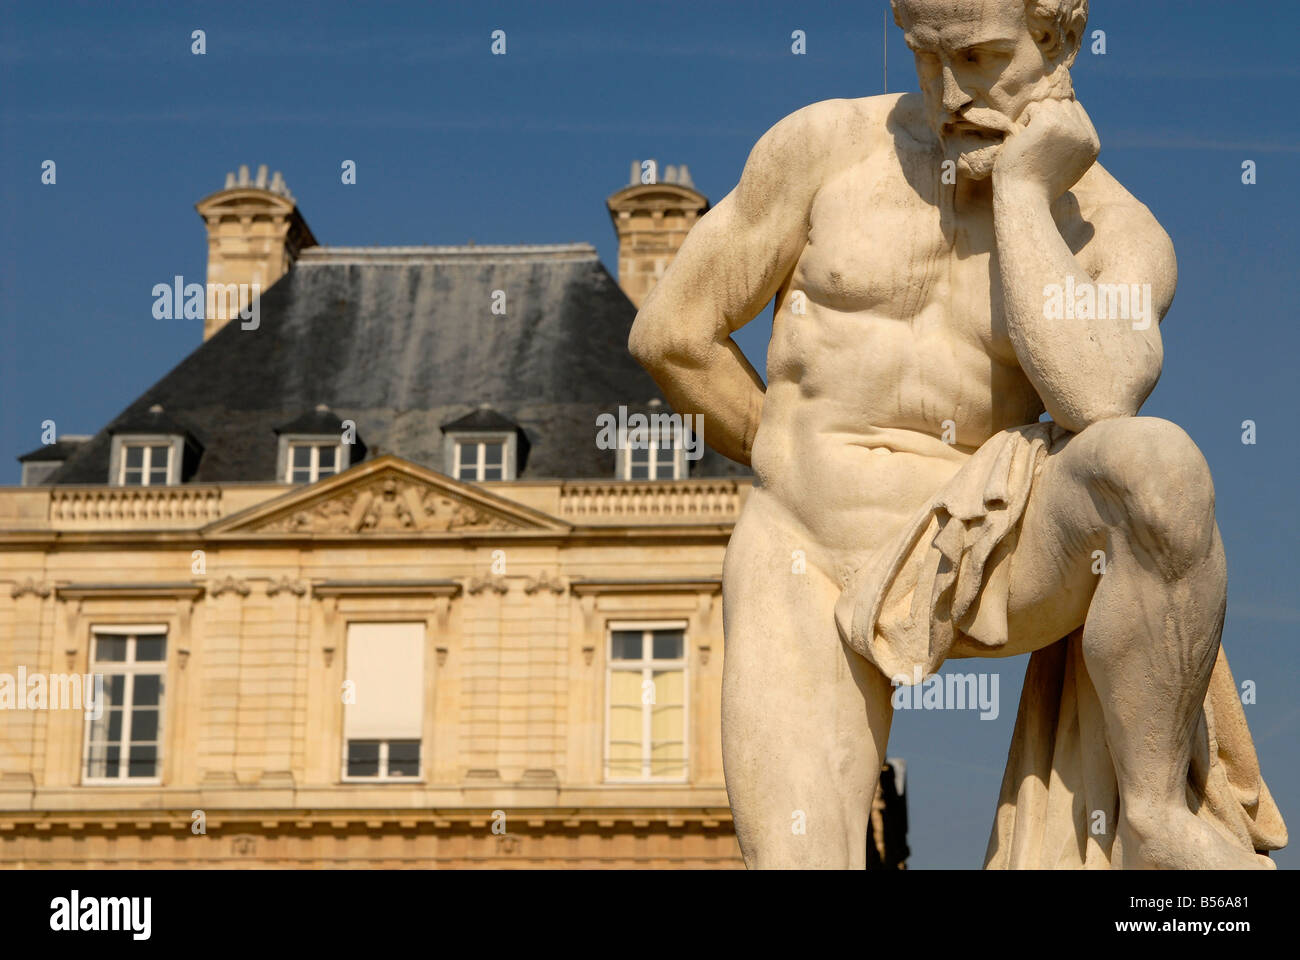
909,302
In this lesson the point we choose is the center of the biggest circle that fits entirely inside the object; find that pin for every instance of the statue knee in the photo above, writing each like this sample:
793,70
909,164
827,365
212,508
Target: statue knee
1156,485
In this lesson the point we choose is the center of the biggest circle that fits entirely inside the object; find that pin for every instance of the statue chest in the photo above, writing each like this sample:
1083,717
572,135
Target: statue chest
881,248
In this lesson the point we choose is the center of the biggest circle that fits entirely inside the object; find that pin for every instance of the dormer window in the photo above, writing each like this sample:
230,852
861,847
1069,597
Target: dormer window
309,460
151,450
145,464
315,446
481,446
480,459
42,463
652,455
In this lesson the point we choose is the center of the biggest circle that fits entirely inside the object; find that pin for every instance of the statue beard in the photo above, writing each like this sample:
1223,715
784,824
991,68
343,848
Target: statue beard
976,163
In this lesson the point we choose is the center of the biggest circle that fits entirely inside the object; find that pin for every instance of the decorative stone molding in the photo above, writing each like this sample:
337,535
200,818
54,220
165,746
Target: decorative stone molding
544,581
630,502
135,591
387,588
230,585
29,585
329,655
286,585
441,654
388,505
587,653
478,584
185,505
705,651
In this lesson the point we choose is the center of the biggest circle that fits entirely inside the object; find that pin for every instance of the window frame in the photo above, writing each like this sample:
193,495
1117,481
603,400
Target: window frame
284,460
425,739
624,463
122,441
384,776
458,438
644,665
129,668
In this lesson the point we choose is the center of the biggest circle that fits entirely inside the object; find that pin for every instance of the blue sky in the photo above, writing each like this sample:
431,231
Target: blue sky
452,144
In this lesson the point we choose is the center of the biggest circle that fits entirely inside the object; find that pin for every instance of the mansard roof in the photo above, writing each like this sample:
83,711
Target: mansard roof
403,340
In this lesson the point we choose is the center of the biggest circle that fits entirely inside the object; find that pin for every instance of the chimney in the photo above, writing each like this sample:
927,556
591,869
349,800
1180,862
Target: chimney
254,235
651,220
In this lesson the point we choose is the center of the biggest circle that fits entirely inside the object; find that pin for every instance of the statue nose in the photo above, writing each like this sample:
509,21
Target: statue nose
954,98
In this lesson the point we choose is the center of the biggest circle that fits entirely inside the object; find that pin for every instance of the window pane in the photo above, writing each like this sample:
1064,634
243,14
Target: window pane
157,478
468,461
108,648
114,733
148,689
301,457
133,478
114,689
665,460
639,471
492,473
493,454
135,458
363,758
626,645
668,644
150,648
404,758
112,759
327,460
158,457
625,716
144,726
300,476
143,762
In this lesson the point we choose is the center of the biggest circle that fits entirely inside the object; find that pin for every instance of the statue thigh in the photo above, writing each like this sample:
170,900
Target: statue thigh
805,721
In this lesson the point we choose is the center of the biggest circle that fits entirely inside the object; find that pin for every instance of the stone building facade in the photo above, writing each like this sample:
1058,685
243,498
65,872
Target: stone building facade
363,587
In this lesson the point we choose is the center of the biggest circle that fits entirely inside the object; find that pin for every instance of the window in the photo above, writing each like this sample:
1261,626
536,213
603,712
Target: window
307,457
647,721
35,474
479,460
308,462
145,464
124,743
383,759
383,712
656,458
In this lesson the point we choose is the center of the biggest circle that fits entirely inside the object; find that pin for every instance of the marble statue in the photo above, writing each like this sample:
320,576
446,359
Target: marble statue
946,268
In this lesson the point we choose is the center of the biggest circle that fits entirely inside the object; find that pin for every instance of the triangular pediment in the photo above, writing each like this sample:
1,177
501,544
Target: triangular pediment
387,496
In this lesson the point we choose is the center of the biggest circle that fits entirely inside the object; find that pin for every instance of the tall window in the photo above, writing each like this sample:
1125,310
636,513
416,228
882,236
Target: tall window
480,460
383,712
309,462
145,464
125,741
647,722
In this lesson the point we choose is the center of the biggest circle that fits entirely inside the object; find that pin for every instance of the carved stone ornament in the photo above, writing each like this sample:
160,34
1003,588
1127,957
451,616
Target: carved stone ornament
388,505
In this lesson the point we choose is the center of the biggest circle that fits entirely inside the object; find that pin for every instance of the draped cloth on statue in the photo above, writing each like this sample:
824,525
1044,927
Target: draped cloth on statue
1059,773
945,580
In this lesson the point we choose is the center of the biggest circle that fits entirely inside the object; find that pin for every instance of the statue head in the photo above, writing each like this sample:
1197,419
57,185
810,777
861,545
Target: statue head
982,62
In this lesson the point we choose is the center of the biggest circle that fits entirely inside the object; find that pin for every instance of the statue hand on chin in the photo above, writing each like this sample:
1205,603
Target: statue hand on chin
1054,148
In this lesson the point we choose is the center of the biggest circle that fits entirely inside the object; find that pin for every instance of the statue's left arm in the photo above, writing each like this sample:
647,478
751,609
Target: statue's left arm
1091,369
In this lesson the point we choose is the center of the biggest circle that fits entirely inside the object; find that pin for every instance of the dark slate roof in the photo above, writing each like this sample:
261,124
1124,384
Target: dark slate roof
320,420
58,450
484,418
153,419
402,340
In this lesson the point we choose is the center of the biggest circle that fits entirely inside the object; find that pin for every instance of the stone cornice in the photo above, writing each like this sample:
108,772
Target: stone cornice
136,591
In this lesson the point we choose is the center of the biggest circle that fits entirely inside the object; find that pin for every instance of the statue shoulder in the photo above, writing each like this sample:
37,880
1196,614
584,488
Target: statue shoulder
822,136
